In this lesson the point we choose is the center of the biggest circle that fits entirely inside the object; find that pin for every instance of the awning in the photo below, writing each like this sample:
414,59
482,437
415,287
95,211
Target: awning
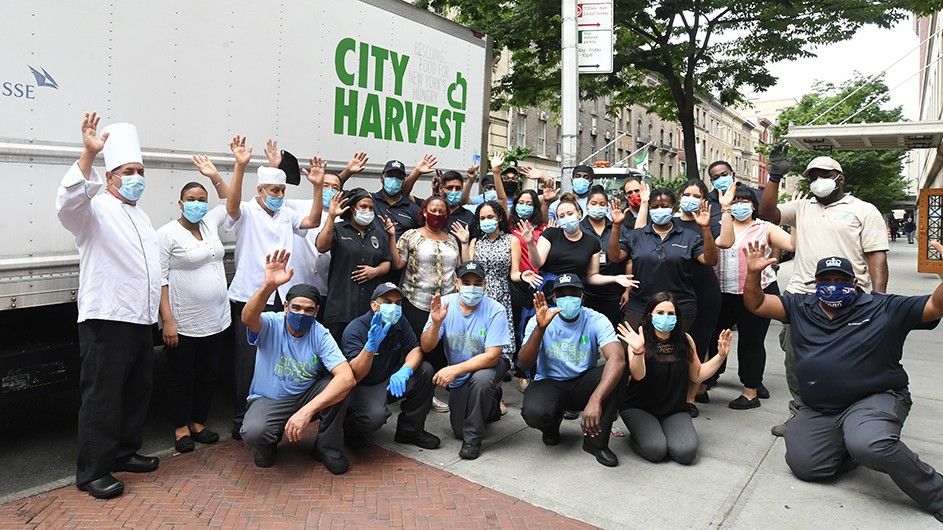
863,136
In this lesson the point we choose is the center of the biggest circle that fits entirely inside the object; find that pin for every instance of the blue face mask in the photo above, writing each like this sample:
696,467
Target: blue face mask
390,313
193,211
569,224
300,322
472,295
392,185
690,204
273,203
569,306
741,211
660,216
723,183
364,217
453,197
132,187
836,295
664,323
524,211
580,185
326,196
597,212
488,225
491,195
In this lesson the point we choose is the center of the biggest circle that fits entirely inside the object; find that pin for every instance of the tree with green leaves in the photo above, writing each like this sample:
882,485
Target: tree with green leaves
696,49
873,176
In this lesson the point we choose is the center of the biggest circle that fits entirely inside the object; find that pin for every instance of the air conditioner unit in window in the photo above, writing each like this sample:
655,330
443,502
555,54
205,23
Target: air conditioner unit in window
608,135
543,116
592,131
581,127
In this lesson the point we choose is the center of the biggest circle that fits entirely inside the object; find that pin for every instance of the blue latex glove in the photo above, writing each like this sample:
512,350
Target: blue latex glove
377,333
397,385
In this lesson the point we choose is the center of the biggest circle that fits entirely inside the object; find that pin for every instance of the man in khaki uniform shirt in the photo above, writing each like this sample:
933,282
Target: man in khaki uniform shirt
830,223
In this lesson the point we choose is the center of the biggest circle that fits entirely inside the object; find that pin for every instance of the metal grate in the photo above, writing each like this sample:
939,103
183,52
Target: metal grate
934,224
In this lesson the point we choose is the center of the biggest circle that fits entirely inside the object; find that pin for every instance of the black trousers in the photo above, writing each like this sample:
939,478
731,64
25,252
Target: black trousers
751,337
191,377
608,306
545,401
368,405
417,320
244,360
115,383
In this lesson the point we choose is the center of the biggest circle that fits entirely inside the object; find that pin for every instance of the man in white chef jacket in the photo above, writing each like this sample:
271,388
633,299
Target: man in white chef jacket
119,295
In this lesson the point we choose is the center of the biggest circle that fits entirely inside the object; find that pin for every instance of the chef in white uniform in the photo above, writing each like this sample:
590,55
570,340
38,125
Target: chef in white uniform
118,299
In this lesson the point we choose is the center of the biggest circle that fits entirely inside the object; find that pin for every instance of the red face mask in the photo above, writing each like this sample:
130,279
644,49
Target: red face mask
435,221
635,200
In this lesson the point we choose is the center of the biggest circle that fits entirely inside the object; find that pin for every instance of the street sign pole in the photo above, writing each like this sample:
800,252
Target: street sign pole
570,95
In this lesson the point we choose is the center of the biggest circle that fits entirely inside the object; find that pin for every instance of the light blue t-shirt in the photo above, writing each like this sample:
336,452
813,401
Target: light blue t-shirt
475,200
569,349
286,366
469,335
552,209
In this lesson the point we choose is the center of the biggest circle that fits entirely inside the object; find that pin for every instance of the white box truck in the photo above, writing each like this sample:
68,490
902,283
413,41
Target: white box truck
325,78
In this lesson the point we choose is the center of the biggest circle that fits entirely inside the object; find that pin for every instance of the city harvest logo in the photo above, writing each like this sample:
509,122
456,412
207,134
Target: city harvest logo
367,107
28,90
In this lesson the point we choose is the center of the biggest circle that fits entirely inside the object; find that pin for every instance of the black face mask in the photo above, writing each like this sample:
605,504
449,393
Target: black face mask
510,187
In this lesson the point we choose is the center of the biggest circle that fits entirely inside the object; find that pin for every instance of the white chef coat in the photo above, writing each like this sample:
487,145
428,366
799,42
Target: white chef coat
194,275
311,267
119,257
257,235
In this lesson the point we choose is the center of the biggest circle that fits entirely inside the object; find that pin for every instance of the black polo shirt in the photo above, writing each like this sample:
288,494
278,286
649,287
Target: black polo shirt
404,213
612,290
399,341
706,284
716,214
664,266
857,353
349,299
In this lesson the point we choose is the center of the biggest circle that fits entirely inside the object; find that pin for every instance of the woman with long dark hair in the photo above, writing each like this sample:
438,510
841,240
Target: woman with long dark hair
662,360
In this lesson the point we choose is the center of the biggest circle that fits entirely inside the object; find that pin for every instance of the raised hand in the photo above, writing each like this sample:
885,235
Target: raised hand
703,216
460,230
526,230
376,333
427,164
437,182
316,174
272,152
437,309
549,193
276,268
726,198
552,223
723,343
240,152
532,278
93,143
497,160
336,208
635,341
617,213
205,166
626,280
755,253
645,192
388,225
779,161
545,314
357,162
798,196
472,173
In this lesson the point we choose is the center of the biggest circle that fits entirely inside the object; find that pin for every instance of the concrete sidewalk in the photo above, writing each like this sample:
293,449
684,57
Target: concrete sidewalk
739,480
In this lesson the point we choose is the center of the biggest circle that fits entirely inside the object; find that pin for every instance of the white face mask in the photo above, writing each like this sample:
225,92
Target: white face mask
823,187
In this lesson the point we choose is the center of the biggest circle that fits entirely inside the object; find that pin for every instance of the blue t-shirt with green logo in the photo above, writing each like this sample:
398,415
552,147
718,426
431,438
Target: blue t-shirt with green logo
569,349
286,366
469,335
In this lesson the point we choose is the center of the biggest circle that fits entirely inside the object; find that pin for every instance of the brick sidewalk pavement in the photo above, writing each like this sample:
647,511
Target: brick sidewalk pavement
219,486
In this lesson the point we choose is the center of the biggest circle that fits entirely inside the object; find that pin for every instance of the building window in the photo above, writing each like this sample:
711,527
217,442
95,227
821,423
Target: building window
671,139
661,137
638,129
520,129
661,170
559,142
670,172
542,138
650,134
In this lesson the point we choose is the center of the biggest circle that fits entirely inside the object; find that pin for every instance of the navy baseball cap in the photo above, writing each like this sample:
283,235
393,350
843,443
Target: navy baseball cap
584,169
567,280
394,165
835,264
384,288
470,267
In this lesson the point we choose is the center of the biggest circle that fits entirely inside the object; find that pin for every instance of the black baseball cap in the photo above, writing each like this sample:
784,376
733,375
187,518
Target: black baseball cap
470,267
584,169
567,280
384,288
304,290
394,166
835,264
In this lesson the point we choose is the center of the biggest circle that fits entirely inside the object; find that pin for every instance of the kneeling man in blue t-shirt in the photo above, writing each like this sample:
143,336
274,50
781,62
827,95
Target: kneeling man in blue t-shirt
475,329
565,343
299,372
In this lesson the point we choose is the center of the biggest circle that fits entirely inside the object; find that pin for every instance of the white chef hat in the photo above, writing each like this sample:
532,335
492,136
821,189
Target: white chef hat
271,175
122,146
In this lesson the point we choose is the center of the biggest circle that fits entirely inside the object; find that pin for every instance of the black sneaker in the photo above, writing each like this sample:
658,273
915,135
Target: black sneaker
184,444
762,392
236,435
205,436
470,451
692,410
551,436
743,403
423,439
337,465
265,455
603,455
702,397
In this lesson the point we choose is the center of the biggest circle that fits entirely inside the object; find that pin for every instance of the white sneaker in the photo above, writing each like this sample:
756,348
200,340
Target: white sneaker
439,406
